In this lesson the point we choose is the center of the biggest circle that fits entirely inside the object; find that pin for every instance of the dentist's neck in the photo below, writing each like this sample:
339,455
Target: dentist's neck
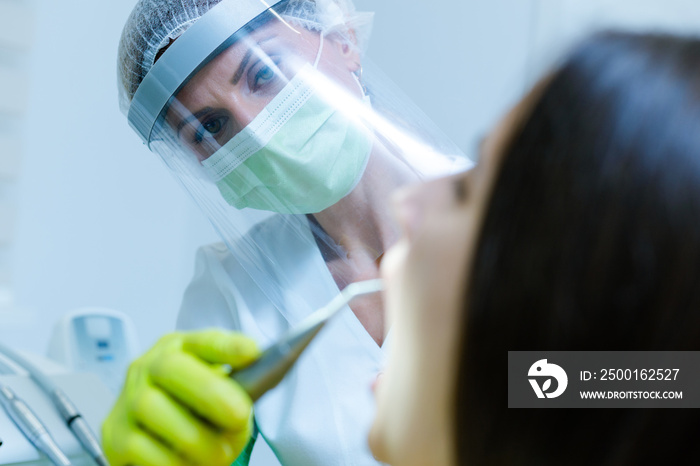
362,222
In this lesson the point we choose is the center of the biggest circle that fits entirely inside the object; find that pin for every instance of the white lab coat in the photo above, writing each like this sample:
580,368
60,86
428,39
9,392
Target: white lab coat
321,412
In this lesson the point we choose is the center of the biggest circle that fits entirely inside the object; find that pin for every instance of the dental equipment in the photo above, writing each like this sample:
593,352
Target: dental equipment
31,426
64,405
98,340
270,368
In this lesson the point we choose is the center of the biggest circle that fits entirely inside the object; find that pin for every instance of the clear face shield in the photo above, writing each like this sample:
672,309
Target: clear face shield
286,136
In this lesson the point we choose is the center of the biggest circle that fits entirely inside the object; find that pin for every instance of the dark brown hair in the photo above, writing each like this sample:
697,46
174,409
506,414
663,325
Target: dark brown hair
591,241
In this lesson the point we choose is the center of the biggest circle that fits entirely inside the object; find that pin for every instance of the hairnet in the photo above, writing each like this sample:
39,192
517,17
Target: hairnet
154,24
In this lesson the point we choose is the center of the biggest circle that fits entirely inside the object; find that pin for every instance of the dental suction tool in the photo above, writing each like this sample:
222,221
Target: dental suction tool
64,405
31,426
270,368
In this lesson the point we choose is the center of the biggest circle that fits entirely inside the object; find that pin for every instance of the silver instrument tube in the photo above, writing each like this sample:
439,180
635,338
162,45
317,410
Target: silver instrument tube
64,405
273,364
31,426
78,426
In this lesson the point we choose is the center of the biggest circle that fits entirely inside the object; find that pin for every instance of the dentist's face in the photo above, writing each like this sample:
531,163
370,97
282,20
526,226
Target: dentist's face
426,274
234,87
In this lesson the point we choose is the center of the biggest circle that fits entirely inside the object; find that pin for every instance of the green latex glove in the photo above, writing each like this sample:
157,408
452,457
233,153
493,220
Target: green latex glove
178,405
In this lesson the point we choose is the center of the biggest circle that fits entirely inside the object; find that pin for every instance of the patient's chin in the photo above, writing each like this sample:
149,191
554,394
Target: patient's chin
377,442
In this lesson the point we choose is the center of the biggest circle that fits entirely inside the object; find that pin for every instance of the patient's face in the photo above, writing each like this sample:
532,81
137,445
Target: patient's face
425,274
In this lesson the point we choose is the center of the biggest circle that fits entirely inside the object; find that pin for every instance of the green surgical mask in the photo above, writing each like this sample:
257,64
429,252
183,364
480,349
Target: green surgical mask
300,155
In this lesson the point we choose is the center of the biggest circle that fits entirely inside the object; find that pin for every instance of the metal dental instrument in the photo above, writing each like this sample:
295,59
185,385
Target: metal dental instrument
64,405
31,426
272,365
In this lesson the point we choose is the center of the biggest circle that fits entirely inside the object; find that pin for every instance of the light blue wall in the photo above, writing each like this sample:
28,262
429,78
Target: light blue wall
101,222
462,62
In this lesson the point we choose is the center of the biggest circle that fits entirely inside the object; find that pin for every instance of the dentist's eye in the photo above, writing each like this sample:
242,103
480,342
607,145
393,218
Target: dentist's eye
264,75
209,128
214,126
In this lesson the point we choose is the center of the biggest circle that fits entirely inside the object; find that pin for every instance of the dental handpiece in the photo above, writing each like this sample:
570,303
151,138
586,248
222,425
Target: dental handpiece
31,426
79,426
273,364
66,408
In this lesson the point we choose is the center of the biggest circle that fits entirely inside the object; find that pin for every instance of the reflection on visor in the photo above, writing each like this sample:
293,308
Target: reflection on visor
280,122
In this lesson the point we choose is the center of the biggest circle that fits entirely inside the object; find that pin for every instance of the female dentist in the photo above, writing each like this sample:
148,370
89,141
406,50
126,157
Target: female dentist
291,143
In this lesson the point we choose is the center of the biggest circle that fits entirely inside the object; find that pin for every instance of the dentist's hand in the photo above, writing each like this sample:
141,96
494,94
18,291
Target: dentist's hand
179,407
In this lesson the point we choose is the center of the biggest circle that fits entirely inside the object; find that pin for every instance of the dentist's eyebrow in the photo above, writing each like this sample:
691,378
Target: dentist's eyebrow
246,59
